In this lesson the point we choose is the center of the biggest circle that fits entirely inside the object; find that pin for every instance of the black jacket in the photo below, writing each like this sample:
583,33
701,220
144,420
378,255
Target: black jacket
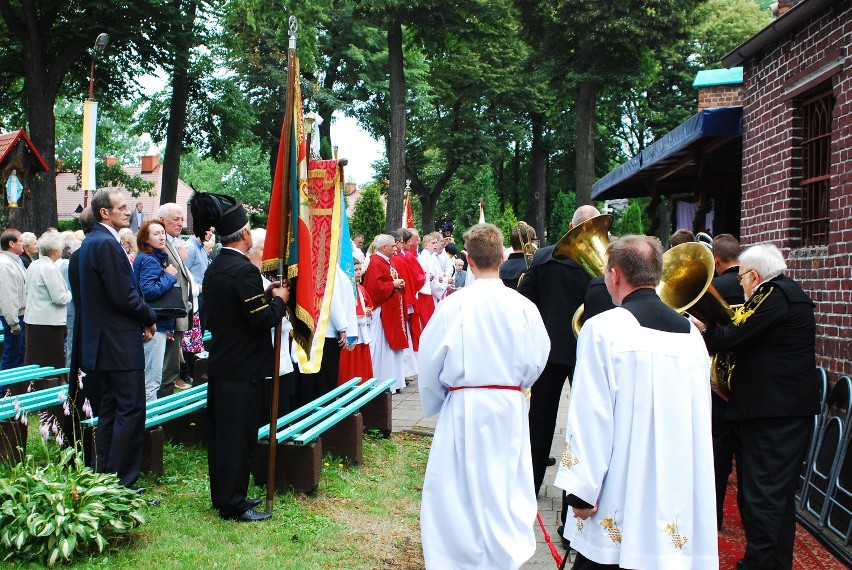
239,318
775,354
557,287
512,269
728,287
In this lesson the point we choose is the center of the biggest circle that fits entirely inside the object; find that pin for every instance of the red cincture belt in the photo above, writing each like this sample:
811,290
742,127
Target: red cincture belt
491,387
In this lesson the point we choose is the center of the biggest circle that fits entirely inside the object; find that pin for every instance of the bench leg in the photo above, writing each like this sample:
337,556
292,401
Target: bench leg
346,439
378,413
200,372
152,451
297,467
12,434
190,429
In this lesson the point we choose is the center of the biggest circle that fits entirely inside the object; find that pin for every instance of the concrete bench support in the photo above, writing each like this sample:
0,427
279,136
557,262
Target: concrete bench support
378,413
152,451
296,466
346,439
190,429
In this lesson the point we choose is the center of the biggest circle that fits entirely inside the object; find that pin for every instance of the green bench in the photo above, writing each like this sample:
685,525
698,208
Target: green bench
12,432
339,416
33,401
29,372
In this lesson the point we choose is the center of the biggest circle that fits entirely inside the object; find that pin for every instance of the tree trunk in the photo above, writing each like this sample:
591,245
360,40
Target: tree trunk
177,113
428,205
396,145
39,208
587,93
538,174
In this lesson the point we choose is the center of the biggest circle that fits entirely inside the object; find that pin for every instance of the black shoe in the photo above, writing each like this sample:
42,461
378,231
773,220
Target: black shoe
740,564
252,503
252,515
551,461
566,544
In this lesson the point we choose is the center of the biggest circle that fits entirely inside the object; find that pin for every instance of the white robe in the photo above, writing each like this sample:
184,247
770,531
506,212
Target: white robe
479,503
638,444
387,363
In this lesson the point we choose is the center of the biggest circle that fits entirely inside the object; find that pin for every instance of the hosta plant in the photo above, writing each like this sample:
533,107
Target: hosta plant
50,512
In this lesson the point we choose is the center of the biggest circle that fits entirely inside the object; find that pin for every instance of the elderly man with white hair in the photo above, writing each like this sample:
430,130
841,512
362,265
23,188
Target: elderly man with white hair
47,297
173,218
773,400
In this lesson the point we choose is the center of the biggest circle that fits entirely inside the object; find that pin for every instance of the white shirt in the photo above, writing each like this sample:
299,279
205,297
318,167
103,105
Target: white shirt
47,294
13,296
638,444
479,504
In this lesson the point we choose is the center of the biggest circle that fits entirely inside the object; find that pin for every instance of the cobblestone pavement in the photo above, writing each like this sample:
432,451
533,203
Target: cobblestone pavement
408,416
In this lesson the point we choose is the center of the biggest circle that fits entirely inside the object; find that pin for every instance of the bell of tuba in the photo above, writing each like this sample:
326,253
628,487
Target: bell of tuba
586,244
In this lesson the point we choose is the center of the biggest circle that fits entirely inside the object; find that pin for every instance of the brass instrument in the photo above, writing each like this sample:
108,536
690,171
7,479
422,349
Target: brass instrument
586,244
528,246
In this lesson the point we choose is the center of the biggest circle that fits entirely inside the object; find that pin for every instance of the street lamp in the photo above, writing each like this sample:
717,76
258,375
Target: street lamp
90,120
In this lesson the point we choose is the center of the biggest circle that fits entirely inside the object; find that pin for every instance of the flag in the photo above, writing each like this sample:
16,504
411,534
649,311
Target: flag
288,230
481,212
407,214
324,199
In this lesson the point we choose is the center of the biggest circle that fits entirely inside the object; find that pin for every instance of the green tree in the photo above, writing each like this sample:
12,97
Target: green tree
629,220
368,215
45,53
560,216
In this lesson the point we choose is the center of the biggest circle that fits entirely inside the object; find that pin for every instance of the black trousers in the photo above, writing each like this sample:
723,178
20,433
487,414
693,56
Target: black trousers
770,452
723,454
309,387
583,563
233,408
121,423
544,405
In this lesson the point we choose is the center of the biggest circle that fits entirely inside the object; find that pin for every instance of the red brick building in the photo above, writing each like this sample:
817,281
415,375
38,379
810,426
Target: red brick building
797,161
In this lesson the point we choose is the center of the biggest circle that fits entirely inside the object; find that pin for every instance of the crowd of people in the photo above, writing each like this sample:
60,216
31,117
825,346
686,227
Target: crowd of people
487,333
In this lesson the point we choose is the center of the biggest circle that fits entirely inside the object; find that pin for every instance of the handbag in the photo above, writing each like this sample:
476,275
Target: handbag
169,305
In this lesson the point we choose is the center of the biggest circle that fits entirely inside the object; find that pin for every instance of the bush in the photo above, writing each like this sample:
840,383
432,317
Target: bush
52,512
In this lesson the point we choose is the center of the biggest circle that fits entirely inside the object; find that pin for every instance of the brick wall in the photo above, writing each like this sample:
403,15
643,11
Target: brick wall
720,96
771,175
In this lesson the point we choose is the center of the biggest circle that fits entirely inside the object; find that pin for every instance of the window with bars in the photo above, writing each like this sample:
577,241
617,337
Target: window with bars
816,168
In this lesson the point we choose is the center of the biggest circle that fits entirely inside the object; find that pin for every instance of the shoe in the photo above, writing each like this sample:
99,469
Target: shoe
740,564
181,385
252,515
566,544
551,461
252,503
139,490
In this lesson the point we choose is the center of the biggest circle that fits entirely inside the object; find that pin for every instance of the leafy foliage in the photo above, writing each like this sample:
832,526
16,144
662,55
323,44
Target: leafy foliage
629,220
368,216
560,216
53,512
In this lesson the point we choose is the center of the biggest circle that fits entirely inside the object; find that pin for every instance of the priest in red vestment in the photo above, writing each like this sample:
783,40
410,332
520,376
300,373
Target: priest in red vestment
385,288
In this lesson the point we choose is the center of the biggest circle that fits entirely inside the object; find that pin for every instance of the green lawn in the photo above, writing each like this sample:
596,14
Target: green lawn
361,517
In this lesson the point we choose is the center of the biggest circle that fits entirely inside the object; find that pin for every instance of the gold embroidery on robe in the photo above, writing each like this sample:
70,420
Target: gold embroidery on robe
569,459
612,529
678,538
745,311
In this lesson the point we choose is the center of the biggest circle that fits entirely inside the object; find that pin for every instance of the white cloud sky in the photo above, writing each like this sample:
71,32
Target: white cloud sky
355,144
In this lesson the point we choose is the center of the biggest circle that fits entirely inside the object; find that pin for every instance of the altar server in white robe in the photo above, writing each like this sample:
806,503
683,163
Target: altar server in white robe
638,460
482,346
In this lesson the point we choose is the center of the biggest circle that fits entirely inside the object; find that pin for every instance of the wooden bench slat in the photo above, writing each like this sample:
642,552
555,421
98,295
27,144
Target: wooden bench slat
46,372
176,399
11,371
38,395
349,409
307,408
321,412
33,405
155,421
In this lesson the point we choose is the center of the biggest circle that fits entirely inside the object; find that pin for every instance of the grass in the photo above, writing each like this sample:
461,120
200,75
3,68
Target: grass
361,517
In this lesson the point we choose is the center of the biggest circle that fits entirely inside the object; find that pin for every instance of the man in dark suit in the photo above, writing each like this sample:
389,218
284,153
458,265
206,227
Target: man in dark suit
773,401
241,352
173,217
557,287
726,255
115,322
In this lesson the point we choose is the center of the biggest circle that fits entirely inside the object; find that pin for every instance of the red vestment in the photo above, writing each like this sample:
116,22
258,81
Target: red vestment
378,282
357,361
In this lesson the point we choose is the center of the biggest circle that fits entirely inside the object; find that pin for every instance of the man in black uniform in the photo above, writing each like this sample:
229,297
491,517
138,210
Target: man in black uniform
773,401
516,264
240,315
557,287
726,255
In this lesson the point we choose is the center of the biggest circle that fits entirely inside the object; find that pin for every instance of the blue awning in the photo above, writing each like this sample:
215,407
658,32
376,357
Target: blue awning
670,162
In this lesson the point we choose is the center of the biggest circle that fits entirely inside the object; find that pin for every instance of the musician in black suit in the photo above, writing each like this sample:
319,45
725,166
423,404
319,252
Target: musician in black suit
557,287
240,318
726,256
115,322
516,264
773,401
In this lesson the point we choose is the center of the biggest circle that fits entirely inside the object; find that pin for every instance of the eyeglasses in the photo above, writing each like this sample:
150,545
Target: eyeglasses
740,275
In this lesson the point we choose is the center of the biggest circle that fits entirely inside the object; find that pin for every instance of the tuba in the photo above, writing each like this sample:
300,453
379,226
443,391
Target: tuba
714,311
528,246
586,244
